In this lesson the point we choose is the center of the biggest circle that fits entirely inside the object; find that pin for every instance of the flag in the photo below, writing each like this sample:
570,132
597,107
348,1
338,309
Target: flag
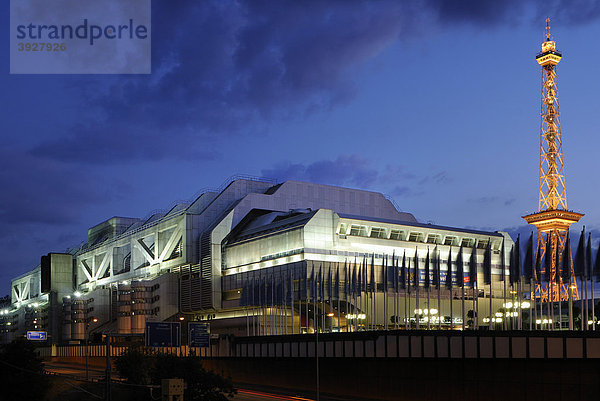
449,270
503,262
385,273
515,261
538,263
588,257
596,274
580,255
436,268
353,286
557,256
416,278
321,283
346,279
244,296
330,283
290,288
263,291
427,270
460,268
403,274
313,284
487,263
272,289
396,272
371,286
304,288
529,263
359,274
548,259
336,288
278,291
473,267
566,261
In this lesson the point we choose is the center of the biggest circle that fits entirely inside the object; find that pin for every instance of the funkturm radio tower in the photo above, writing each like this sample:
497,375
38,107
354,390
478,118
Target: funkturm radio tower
552,219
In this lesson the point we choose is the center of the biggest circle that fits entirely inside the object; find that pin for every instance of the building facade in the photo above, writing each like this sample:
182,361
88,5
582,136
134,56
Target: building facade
257,258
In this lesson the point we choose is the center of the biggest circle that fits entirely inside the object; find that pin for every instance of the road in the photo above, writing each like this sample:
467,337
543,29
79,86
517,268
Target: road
75,370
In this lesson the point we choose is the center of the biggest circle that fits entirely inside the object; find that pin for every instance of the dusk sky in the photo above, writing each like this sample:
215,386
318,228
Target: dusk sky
435,103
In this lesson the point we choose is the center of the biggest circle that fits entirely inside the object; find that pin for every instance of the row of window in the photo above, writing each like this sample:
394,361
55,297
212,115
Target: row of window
153,311
411,236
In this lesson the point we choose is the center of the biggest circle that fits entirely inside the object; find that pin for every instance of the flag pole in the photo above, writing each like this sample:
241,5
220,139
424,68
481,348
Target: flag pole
439,288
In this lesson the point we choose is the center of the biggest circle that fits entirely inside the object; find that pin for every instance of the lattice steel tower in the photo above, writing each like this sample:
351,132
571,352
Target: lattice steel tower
552,219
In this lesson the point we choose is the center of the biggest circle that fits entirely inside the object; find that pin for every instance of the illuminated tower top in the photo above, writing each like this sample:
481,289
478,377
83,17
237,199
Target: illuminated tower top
548,55
553,194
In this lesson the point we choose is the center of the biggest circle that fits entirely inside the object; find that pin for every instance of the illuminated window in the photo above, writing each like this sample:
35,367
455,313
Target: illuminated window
378,232
357,230
467,242
398,235
416,237
450,240
482,244
434,239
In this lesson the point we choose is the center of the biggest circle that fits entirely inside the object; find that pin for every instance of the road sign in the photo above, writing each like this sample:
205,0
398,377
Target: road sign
163,334
199,334
37,335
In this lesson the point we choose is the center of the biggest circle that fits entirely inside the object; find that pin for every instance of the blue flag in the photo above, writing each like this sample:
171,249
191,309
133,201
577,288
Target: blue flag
336,287
460,268
449,270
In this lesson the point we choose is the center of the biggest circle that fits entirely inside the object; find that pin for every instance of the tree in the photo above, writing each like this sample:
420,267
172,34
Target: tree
141,367
22,372
135,365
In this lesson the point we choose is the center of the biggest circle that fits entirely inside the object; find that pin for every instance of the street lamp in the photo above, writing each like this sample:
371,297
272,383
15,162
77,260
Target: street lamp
87,337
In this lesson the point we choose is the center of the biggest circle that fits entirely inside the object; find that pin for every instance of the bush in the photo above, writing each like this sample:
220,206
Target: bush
22,372
139,366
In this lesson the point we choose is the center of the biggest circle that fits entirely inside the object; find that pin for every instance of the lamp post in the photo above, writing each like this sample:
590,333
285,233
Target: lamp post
87,372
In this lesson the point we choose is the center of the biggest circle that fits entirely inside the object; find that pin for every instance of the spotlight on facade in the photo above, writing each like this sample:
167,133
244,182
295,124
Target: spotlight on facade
181,318
77,294
330,314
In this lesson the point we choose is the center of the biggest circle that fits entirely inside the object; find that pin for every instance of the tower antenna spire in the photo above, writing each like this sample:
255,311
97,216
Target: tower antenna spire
552,219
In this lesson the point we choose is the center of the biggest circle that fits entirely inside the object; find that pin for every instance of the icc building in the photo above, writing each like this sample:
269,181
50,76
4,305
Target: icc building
259,258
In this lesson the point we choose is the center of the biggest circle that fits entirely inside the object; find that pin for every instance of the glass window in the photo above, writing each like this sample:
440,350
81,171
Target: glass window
378,232
482,244
467,242
415,237
360,231
433,239
398,235
343,228
450,240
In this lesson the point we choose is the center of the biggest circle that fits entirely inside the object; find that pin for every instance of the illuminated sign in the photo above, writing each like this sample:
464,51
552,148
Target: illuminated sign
37,335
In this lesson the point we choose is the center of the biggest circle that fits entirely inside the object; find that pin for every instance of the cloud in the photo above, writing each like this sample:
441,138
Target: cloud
42,205
351,170
230,68
222,67
355,171
37,190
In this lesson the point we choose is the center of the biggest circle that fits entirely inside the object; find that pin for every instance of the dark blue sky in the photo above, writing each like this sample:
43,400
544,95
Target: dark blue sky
435,103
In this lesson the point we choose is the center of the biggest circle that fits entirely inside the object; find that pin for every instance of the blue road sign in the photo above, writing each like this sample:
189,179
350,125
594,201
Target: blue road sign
163,334
37,335
199,334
